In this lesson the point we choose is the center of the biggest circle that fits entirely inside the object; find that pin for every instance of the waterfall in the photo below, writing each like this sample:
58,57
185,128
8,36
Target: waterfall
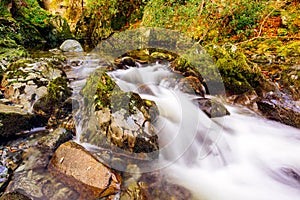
240,156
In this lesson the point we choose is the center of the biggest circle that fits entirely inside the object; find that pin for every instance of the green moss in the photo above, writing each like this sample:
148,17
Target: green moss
58,90
238,74
291,49
105,88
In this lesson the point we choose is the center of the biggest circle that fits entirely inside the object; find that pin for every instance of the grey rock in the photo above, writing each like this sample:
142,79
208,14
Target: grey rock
71,46
40,184
280,107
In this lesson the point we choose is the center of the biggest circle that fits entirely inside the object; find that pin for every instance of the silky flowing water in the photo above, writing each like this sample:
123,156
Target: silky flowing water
240,156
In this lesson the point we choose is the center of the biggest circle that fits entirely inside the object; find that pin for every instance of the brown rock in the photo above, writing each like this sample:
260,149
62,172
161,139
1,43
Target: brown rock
78,168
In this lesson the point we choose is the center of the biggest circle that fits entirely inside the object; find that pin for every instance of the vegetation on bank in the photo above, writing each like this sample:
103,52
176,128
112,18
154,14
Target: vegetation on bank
265,33
25,23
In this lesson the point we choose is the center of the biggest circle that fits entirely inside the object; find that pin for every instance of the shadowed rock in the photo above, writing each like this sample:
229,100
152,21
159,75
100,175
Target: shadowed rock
13,120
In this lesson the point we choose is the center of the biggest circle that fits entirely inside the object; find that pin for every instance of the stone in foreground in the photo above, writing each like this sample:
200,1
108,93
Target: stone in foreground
76,167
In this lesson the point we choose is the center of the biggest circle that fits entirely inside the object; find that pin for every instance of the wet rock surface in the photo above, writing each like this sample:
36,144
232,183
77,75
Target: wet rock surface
87,175
123,119
14,196
152,185
27,162
211,107
280,107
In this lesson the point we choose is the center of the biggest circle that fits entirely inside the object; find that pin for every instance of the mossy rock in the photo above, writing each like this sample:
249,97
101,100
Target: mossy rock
38,83
238,73
105,88
153,185
58,91
121,121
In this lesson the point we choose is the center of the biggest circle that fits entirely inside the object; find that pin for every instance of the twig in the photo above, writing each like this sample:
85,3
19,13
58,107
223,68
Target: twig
260,29
201,8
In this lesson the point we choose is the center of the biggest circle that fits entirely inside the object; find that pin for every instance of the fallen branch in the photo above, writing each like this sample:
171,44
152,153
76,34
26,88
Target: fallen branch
260,29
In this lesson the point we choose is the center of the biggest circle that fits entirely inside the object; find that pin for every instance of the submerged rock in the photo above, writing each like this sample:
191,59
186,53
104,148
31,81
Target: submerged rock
212,108
40,184
71,46
153,185
72,164
13,120
31,178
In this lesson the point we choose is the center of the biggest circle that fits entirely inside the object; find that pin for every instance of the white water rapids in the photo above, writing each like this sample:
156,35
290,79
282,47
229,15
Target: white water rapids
238,157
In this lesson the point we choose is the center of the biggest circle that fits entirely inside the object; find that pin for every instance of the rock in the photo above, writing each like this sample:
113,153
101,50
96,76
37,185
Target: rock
37,85
73,165
58,91
192,85
212,108
13,120
153,185
239,75
280,107
40,184
4,177
31,177
14,196
122,119
71,46
52,140
125,62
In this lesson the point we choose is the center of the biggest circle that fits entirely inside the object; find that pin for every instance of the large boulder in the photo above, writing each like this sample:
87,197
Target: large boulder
72,164
122,119
37,84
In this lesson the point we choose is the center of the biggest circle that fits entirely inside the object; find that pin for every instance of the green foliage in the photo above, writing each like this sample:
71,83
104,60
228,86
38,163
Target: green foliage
101,18
213,20
27,24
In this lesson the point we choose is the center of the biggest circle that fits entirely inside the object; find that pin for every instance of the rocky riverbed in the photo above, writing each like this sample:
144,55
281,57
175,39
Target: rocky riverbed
40,160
